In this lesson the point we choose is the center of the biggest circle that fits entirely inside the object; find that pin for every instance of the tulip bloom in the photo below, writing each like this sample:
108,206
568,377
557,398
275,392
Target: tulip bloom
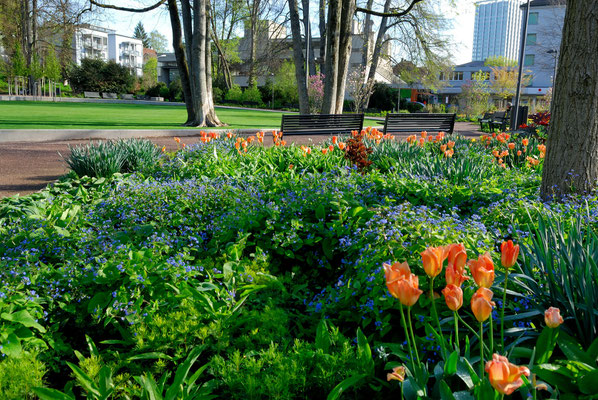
511,145
504,376
402,284
481,304
432,258
393,273
457,256
482,270
553,318
508,254
397,374
453,295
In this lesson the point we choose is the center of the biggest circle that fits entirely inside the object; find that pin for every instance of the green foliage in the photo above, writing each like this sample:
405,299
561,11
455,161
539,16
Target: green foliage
102,159
285,84
252,95
100,76
18,63
18,376
160,89
175,91
234,94
140,33
157,41
500,61
150,73
52,68
36,69
383,97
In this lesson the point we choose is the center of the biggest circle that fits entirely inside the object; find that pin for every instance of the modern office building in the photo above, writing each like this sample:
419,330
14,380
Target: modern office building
96,42
497,29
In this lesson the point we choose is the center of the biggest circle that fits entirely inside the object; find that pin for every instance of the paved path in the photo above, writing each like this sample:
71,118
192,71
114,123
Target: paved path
27,167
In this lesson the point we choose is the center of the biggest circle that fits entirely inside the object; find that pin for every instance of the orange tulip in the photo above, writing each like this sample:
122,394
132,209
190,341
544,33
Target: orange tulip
178,140
553,318
334,139
511,145
519,153
450,144
456,254
397,374
504,376
163,149
401,283
481,304
443,147
331,148
432,258
453,295
508,254
525,142
482,270
324,151
341,145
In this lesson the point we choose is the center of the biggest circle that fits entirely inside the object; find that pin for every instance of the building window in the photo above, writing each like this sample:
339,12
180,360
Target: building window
533,18
531,39
457,76
529,60
442,76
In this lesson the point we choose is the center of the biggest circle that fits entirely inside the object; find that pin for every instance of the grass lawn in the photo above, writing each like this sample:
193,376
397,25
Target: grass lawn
46,115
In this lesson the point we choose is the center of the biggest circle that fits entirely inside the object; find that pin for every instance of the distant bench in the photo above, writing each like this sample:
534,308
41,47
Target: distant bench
109,96
417,122
127,97
318,124
91,95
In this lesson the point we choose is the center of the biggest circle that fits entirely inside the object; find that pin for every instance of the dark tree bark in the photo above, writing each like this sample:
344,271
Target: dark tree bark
365,54
307,29
322,15
346,35
332,56
298,57
571,164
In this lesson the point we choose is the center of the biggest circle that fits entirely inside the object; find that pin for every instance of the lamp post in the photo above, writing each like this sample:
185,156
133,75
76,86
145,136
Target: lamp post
515,115
556,60
272,104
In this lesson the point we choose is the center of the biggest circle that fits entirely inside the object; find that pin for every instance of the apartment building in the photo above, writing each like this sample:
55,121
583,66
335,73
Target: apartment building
497,29
91,41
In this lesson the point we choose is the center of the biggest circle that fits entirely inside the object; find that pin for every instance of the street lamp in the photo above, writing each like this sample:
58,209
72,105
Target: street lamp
272,103
556,60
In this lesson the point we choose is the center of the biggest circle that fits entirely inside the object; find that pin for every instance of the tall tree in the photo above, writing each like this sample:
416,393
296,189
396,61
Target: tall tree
298,57
194,60
157,41
141,34
571,164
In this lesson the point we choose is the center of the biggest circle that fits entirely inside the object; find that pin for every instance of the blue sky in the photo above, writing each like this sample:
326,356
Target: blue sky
462,16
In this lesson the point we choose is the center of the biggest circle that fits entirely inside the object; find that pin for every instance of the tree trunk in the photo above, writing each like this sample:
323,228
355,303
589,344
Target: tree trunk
298,57
252,79
571,164
346,35
365,55
307,28
332,56
210,112
179,52
377,49
322,14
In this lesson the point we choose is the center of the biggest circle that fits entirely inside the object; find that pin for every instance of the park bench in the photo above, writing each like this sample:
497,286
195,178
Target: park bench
318,124
418,122
485,120
156,98
91,95
499,120
109,96
127,97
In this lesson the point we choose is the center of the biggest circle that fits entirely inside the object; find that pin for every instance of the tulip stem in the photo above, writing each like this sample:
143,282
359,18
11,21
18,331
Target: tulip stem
502,311
412,335
491,335
457,332
481,353
472,330
435,316
407,337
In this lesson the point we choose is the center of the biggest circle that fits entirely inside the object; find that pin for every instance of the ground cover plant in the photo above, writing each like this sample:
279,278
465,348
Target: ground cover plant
228,269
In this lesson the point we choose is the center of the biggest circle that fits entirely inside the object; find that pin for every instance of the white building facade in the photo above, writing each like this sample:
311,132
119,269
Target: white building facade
497,29
96,42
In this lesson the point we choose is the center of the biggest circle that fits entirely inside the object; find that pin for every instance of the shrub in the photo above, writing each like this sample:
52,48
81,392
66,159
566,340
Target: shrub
234,94
18,376
383,98
217,94
175,91
252,95
99,76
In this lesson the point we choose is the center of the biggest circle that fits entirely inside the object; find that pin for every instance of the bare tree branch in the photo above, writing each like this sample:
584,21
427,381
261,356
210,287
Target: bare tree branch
392,12
137,10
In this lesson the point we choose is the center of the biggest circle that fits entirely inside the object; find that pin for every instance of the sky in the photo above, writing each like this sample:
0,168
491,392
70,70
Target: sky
462,15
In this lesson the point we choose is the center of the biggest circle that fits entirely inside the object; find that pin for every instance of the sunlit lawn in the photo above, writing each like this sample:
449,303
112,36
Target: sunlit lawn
46,115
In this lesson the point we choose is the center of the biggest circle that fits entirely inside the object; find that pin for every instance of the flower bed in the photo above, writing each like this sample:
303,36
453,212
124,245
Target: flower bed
231,270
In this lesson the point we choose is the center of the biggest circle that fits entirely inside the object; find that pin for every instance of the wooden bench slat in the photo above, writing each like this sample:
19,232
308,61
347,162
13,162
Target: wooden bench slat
297,124
415,123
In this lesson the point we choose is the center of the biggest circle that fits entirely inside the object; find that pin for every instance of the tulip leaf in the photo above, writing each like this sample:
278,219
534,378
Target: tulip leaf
51,394
365,353
445,391
558,376
545,345
24,318
588,384
322,336
450,366
573,350
344,385
593,350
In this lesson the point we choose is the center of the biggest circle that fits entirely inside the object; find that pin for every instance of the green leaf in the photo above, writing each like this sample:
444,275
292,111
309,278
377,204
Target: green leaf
450,366
24,318
323,336
573,350
12,346
320,211
51,394
545,345
106,386
181,374
149,356
344,385
445,391
364,351
588,384
150,388
99,301
85,381
558,376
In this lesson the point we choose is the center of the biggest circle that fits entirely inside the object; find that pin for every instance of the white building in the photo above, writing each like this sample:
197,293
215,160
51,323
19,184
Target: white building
96,42
126,51
497,29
